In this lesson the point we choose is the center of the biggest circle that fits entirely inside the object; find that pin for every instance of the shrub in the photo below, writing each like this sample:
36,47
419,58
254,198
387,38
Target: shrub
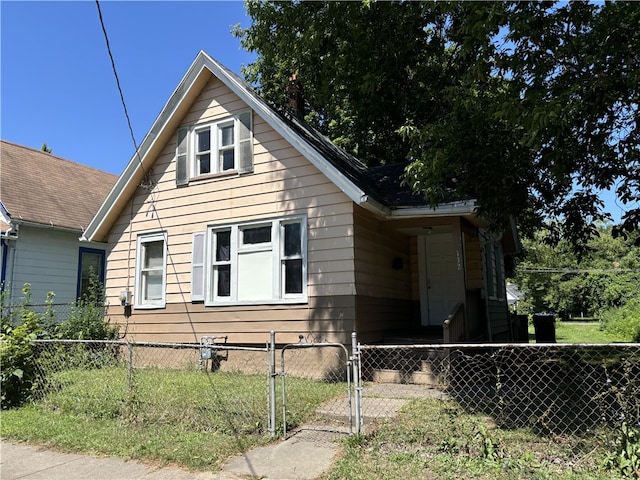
17,356
624,322
86,321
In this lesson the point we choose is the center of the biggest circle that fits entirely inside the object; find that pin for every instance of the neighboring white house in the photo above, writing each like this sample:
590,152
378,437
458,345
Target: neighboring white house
46,202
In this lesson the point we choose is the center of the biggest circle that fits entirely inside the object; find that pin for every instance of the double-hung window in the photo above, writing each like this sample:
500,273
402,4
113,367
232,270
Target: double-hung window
216,147
257,262
151,270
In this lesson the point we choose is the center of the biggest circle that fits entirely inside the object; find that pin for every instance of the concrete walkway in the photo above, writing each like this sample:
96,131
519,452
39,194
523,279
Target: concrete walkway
306,455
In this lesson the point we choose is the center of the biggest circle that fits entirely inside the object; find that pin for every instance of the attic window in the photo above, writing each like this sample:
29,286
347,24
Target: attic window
216,147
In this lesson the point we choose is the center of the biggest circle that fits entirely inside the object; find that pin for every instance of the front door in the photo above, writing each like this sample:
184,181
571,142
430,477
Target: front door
440,274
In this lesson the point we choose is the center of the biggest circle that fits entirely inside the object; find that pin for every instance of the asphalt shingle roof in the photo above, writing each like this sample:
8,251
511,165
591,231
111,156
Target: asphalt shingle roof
40,187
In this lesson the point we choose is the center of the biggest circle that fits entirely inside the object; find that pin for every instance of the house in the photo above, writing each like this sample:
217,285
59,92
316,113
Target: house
236,219
45,204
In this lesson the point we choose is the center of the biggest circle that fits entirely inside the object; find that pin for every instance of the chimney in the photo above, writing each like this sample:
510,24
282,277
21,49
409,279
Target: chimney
295,100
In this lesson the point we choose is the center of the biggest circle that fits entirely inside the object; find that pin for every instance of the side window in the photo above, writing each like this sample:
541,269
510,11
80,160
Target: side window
151,271
90,268
291,260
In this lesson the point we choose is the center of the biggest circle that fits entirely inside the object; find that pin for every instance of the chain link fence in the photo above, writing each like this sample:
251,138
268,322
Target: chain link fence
209,386
554,390
185,386
51,313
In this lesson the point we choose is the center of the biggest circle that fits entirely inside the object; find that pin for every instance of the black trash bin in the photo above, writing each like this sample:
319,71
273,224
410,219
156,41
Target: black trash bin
544,325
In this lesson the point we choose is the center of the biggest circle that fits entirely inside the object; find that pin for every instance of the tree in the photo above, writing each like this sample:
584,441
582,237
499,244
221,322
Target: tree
531,108
605,277
45,148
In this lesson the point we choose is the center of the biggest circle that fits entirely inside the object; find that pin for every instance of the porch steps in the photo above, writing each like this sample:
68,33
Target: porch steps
422,366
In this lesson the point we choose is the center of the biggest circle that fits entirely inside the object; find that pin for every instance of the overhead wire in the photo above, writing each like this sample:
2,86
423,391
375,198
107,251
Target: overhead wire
149,185
115,74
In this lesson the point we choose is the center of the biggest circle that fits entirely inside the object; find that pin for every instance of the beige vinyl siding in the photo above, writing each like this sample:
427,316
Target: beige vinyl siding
473,261
383,292
283,183
377,246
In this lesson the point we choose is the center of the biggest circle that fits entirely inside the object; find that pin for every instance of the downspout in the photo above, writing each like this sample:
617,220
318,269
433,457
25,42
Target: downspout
3,268
485,278
5,254
6,250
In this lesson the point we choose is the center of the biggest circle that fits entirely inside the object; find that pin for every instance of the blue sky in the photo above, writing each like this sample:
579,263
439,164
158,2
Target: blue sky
57,85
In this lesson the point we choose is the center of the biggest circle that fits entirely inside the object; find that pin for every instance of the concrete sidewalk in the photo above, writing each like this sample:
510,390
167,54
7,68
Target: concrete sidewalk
293,459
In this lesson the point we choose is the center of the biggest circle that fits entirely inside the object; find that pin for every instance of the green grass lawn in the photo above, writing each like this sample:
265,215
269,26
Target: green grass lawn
578,332
190,418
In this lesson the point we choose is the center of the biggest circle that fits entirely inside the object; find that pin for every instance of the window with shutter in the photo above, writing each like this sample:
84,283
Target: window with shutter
182,153
245,142
257,262
197,267
212,148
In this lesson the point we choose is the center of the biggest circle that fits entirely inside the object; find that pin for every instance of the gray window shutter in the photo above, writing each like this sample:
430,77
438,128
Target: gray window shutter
197,267
182,160
245,142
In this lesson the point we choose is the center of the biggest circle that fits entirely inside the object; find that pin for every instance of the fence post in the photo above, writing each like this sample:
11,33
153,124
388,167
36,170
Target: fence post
355,355
129,365
272,384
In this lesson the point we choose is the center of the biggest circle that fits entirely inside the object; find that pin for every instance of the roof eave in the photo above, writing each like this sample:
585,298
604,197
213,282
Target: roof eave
308,151
114,199
444,210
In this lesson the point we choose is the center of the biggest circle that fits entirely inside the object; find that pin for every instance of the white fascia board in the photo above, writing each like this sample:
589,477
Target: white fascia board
4,214
148,142
445,209
46,226
374,206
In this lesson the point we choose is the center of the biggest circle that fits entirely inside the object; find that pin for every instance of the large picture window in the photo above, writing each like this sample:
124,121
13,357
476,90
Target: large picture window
257,262
151,271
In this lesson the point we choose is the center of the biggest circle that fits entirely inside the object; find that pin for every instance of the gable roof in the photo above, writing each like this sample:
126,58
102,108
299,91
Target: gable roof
345,171
40,188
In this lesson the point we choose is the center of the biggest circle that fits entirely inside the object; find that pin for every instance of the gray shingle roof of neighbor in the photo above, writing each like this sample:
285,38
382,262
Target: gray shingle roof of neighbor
42,188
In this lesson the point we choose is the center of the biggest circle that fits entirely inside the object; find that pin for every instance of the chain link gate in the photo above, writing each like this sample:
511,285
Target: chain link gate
307,369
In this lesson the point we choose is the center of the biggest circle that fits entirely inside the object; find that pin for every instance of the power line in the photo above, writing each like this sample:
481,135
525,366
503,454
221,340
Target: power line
578,270
115,73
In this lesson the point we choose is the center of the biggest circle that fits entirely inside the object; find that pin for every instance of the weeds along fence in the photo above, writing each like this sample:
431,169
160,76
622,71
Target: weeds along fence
552,390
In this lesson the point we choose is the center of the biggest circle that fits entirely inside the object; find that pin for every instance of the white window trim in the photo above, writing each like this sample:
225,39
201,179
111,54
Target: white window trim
215,147
142,239
275,246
